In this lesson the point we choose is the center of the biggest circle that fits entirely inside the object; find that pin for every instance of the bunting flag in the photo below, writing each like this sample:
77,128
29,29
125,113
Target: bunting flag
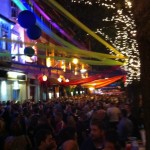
95,79
82,81
82,26
102,82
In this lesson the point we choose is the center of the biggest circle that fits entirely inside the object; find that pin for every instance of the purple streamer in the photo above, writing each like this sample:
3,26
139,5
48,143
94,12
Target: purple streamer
56,26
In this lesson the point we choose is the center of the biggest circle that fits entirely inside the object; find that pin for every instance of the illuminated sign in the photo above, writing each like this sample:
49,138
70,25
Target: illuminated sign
16,76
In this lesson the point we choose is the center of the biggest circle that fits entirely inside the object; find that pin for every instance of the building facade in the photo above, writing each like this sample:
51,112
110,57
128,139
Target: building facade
21,75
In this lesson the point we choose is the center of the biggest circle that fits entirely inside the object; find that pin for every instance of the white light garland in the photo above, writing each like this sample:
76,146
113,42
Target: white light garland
125,40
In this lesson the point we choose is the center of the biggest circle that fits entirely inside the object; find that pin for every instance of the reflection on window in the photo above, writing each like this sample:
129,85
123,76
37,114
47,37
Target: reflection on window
4,43
16,94
16,48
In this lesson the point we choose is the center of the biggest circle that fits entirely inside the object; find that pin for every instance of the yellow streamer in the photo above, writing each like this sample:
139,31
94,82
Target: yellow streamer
85,61
83,53
85,28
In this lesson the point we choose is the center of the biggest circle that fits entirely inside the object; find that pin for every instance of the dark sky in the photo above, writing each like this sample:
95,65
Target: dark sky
91,16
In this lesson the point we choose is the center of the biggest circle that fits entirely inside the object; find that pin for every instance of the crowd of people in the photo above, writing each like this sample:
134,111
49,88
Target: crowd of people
85,122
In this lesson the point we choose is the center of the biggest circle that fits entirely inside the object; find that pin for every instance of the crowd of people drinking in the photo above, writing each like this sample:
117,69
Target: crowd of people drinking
85,122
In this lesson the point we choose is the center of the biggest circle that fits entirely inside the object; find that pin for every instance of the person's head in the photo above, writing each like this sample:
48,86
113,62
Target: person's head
124,113
42,120
71,121
70,145
127,108
16,128
58,116
44,140
109,146
99,114
67,133
2,126
97,129
112,103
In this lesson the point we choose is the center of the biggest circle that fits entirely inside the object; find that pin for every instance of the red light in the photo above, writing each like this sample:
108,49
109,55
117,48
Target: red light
44,78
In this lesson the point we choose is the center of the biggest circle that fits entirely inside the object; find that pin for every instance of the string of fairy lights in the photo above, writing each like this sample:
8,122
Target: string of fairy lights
125,41
125,38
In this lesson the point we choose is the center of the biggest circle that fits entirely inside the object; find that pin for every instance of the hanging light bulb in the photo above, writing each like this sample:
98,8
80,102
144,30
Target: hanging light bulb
75,61
44,78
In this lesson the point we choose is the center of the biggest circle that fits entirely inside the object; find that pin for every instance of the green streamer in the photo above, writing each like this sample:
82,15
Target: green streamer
67,51
70,46
85,61
82,26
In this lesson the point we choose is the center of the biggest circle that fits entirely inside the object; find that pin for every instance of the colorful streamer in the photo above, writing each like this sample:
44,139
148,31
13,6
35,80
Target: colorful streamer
85,61
82,26
101,82
56,26
93,81
109,82
48,31
81,81
63,32
104,61
60,40
60,49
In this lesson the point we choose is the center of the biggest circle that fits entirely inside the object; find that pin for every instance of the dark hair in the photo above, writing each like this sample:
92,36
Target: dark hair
59,114
98,123
67,133
41,135
124,113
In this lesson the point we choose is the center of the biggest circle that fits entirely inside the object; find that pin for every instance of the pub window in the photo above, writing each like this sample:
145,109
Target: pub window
4,43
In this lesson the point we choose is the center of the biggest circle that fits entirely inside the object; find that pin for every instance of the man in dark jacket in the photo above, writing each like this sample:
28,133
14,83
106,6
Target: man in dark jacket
96,141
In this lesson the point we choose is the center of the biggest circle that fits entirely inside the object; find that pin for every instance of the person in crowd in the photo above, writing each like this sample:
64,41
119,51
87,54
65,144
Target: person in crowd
70,122
3,133
68,138
96,122
113,113
17,139
97,140
135,121
60,124
82,127
124,128
44,140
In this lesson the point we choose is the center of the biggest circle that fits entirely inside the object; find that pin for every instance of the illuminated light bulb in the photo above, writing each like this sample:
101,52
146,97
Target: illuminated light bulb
44,78
75,61
67,80
83,70
75,73
48,62
91,88
59,79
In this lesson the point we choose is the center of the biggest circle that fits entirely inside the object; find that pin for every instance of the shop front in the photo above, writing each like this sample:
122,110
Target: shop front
12,86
